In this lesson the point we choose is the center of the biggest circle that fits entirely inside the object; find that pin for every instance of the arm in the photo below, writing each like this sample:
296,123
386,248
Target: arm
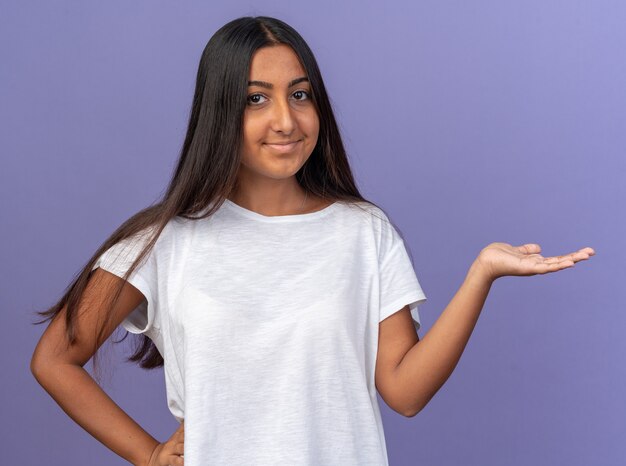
58,368
428,364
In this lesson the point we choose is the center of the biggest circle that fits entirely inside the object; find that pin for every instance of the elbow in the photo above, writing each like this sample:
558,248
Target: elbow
35,368
408,407
37,361
414,410
38,366
410,412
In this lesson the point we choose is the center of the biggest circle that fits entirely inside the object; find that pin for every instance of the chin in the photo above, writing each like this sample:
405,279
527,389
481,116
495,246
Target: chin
274,172
282,168
281,175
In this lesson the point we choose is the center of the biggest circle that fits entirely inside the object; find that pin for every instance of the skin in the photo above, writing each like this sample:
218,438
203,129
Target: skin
266,177
59,368
266,184
408,371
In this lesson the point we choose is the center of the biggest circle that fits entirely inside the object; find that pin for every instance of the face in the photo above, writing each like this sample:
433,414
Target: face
280,123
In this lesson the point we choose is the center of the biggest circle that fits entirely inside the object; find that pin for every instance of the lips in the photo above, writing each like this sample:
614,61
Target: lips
287,146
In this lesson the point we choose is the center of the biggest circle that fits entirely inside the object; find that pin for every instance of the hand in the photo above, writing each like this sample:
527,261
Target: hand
501,259
170,453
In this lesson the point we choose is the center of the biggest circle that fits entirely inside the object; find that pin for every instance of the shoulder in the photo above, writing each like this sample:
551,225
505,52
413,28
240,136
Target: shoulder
372,217
370,221
173,232
366,209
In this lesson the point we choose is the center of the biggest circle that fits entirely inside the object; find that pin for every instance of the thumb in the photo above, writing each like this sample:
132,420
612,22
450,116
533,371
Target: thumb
529,248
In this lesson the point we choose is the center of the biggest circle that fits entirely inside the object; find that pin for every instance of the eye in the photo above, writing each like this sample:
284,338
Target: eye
253,99
300,93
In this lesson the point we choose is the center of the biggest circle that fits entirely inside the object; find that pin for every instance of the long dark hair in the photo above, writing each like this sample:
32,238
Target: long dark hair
209,160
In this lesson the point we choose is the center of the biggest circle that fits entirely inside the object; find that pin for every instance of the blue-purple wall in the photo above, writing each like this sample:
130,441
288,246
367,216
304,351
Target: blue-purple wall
469,122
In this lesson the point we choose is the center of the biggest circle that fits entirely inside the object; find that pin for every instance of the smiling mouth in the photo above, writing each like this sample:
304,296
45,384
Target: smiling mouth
284,147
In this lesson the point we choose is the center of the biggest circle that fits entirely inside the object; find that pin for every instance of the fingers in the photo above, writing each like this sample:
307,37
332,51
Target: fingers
529,248
577,256
176,461
179,448
581,254
545,267
558,259
175,447
181,430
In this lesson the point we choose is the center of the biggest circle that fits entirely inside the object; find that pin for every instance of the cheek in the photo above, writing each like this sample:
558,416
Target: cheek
252,132
311,126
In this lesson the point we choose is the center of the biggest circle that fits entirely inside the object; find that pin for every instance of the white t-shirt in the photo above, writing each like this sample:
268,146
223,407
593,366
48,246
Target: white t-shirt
268,327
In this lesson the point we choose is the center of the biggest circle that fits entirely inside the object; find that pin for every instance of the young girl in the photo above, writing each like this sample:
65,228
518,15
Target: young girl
277,299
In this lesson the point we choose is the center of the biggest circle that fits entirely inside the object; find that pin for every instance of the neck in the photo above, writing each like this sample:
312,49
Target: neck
271,200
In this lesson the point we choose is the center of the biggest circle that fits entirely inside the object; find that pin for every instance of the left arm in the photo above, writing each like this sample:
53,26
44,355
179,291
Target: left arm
429,363
425,365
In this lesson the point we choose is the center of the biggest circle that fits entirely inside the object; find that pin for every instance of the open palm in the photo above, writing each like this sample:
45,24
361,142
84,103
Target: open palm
500,259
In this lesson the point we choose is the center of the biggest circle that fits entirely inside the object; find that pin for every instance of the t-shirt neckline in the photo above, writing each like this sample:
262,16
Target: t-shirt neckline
279,218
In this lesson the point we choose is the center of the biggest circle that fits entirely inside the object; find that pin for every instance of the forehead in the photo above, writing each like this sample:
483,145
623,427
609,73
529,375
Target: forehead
276,64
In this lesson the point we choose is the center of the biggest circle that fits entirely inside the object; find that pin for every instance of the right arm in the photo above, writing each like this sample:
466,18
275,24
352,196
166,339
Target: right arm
58,368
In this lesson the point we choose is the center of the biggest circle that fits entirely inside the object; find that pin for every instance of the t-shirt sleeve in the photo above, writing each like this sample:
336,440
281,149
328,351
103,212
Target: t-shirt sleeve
398,284
117,260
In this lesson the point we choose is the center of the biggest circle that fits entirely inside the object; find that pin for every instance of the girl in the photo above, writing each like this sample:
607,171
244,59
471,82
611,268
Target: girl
277,299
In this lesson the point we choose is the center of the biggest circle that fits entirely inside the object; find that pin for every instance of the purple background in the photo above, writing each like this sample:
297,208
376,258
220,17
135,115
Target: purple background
469,122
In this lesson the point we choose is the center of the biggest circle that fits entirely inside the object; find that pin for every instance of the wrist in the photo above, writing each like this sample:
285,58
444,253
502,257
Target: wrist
151,457
480,275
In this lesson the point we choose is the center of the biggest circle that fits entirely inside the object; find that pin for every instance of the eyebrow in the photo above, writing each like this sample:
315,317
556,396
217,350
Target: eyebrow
271,86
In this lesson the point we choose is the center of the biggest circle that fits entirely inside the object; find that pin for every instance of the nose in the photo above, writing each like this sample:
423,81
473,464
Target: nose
283,120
